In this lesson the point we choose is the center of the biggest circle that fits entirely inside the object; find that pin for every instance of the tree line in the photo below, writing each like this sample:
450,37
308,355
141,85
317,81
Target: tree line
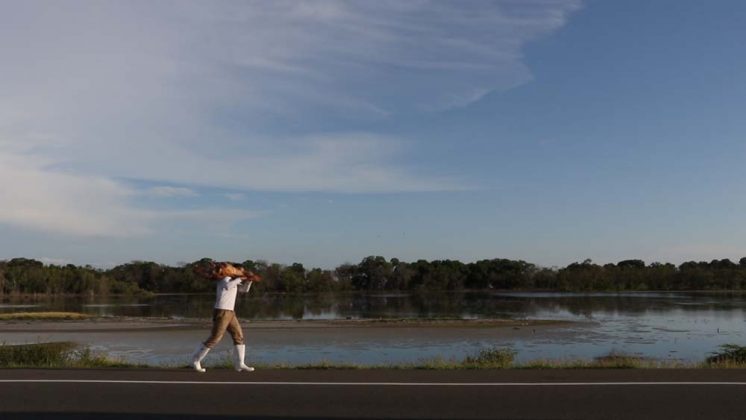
376,273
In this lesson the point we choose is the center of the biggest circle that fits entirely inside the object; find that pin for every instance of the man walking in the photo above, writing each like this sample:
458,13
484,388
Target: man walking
230,279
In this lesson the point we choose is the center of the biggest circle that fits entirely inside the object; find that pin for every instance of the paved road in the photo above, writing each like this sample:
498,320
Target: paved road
319,394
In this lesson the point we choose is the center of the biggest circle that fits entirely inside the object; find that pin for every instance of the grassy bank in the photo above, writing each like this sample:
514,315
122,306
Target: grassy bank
54,355
70,355
730,356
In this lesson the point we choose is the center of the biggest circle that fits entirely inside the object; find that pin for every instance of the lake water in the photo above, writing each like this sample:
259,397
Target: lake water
676,326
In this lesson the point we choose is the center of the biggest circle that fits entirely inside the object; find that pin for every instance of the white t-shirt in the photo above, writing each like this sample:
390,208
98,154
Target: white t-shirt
226,293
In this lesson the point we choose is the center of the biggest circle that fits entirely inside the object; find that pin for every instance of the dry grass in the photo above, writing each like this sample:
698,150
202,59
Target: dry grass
54,355
24,316
729,356
611,361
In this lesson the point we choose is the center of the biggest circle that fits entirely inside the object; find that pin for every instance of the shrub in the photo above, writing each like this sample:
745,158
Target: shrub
616,360
54,355
729,354
496,358
37,355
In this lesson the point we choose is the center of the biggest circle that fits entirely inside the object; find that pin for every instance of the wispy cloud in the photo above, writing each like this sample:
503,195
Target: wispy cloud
205,222
166,191
199,93
349,162
51,201
236,196
210,215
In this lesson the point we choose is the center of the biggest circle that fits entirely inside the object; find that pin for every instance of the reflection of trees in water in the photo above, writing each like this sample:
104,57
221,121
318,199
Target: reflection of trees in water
588,306
363,305
283,306
466,305
419,305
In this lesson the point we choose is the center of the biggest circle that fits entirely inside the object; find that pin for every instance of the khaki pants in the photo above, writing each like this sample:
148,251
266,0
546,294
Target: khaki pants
222,321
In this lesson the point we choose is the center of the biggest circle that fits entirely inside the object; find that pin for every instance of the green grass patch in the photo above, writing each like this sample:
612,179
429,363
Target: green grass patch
23,316
610,361
436,363
492,358
37,355
498,358
54,355
729,356
70,355
616,360
225,361
322,365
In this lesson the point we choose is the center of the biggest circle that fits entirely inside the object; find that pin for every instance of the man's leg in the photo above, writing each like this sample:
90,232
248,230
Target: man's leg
220,321
234,328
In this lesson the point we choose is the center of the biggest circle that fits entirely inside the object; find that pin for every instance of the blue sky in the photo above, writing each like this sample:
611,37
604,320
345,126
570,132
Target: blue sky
325,131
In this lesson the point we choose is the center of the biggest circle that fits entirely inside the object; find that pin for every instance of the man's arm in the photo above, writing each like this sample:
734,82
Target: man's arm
250,275
233,283
245,286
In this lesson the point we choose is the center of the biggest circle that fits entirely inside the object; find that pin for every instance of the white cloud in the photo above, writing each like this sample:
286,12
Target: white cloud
350,162
200,93
51,201
210,215
204,222
39,198
166,191
236,196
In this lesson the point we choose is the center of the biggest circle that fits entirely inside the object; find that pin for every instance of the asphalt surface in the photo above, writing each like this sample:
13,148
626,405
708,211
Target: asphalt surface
358,394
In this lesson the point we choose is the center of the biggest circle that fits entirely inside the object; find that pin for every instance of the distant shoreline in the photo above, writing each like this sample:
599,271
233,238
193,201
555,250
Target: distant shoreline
378,274
32,296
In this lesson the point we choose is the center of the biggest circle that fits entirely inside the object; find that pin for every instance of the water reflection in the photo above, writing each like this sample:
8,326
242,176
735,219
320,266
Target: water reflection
680,326
463,305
